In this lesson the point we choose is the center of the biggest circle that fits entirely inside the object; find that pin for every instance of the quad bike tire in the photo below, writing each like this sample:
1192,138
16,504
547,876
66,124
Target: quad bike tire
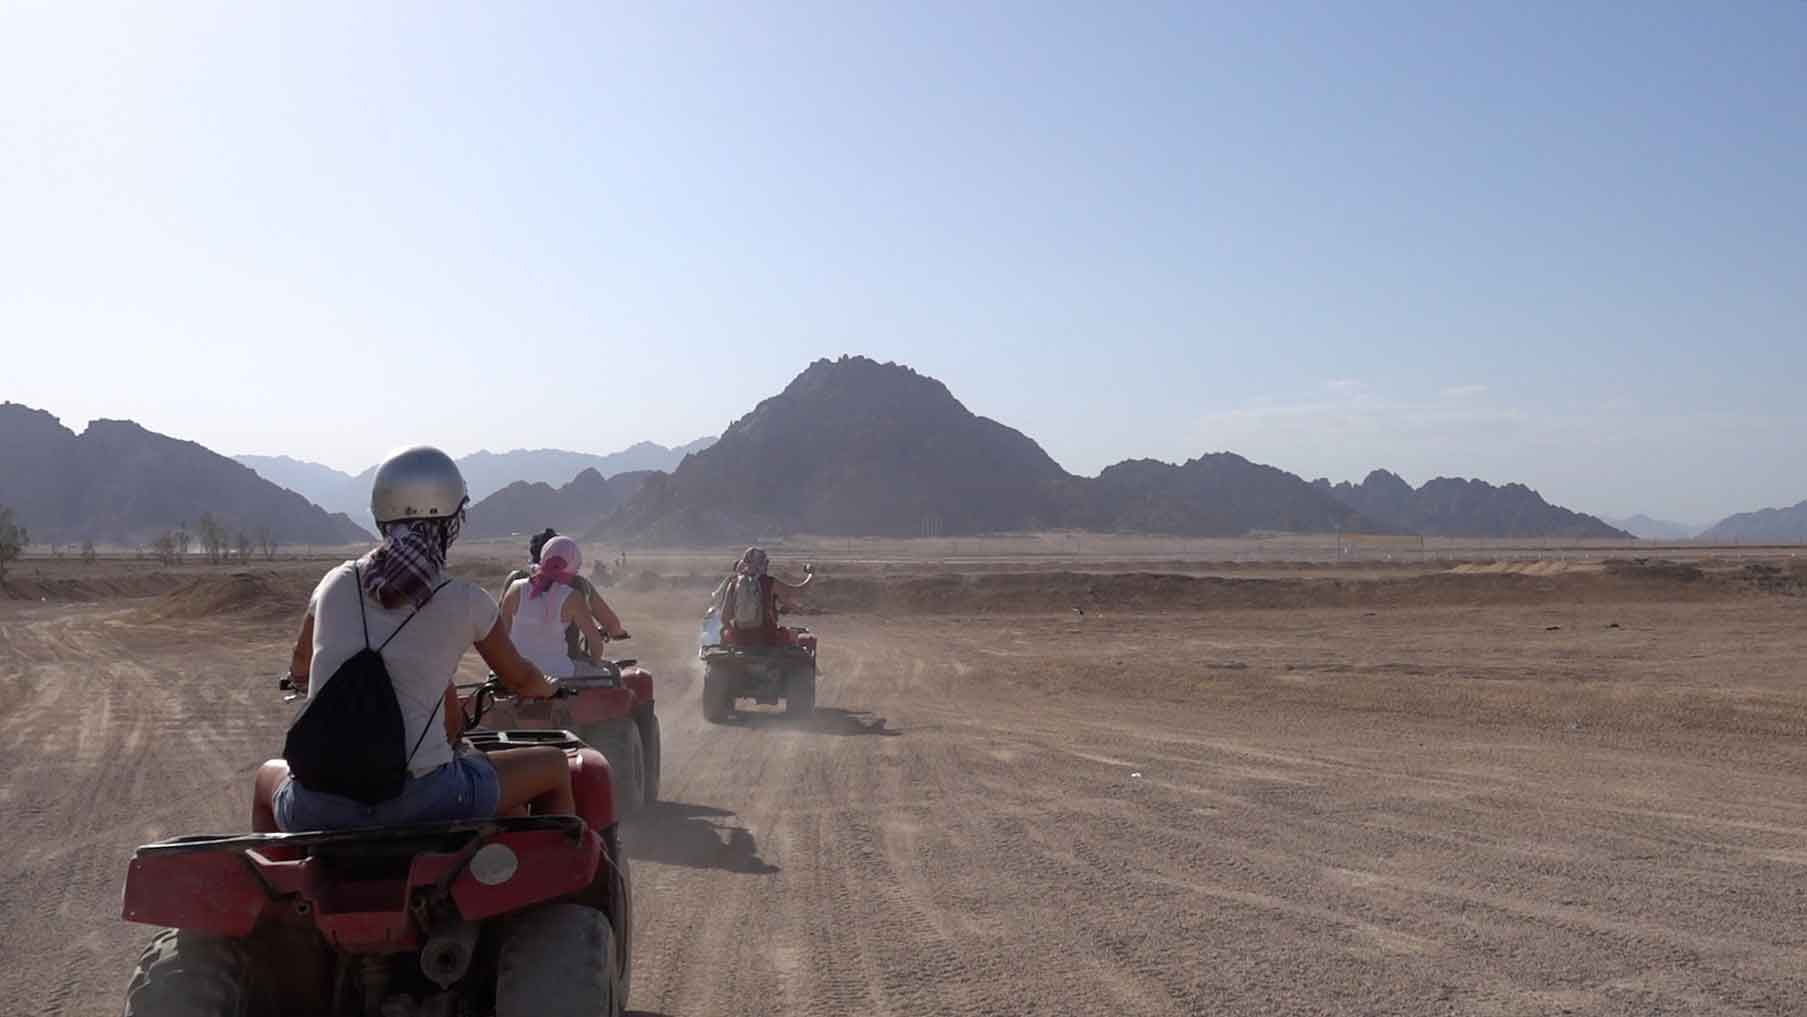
718,697
559,960
619,742
800,693
192,974
650,756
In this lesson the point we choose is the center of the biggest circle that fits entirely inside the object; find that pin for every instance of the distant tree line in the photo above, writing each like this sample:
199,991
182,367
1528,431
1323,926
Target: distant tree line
218,543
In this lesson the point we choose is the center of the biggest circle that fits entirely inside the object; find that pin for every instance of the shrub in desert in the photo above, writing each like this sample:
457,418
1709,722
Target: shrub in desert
213,538
13,539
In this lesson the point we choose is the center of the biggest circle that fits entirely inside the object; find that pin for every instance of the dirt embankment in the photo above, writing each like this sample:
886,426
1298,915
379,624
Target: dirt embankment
1154,592
239,595
281,592
25,586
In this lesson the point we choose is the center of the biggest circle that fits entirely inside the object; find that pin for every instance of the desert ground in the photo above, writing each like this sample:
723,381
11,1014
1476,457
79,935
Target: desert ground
1128,781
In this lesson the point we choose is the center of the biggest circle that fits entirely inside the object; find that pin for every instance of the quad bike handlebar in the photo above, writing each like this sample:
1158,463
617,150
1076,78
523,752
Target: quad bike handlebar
484,695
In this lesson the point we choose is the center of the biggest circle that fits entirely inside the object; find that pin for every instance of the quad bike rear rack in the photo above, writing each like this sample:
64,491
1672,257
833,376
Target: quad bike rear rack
571,826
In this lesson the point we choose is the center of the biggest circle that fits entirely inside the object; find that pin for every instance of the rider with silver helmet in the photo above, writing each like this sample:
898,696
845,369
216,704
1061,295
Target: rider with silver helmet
397,598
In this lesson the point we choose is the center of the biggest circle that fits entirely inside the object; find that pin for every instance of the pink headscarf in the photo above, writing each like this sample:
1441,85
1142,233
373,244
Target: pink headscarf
560,560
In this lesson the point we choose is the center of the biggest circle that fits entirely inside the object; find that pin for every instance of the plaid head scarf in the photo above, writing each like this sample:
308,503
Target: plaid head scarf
407,565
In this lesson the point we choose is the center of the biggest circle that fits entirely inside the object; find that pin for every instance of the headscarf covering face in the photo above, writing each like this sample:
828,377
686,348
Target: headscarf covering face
406,566
753,563
560,560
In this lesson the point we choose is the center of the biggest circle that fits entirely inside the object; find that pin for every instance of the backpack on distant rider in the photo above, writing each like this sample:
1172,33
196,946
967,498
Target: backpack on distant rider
745,607
348,740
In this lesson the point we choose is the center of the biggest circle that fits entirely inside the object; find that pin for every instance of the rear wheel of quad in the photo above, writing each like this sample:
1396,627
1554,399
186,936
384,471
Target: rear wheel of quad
559,960
619,743
191,974
650,756
800,693
718,697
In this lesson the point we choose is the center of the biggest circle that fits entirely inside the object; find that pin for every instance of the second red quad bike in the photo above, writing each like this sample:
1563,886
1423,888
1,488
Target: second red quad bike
500,917
610,706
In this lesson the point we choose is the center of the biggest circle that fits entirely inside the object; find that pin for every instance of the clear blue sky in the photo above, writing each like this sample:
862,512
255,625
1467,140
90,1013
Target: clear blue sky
1562,243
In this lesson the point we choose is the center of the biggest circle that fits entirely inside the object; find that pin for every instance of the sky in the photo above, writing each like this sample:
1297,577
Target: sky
1557,243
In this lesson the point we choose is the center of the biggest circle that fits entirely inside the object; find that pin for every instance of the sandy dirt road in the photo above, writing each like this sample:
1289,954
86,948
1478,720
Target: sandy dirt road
1575,808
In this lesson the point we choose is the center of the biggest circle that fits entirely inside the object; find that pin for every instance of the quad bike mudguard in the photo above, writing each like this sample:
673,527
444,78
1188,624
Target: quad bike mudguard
363,888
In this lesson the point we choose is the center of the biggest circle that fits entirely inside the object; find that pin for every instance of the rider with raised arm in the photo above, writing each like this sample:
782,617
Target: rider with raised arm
766,632
397,597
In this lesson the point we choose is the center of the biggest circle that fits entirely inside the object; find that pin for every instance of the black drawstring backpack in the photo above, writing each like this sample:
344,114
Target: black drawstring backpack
348,740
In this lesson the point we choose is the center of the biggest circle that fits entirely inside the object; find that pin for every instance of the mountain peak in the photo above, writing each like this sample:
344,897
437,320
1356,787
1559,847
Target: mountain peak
120,481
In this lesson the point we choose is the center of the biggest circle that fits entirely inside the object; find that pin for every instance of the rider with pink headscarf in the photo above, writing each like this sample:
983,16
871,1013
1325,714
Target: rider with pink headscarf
538,608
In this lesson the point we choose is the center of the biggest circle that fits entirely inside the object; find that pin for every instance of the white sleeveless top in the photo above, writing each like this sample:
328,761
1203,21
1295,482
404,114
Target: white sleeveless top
538,628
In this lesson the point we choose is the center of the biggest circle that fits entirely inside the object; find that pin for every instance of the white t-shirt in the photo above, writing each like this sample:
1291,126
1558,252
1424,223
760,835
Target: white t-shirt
538,627
421,660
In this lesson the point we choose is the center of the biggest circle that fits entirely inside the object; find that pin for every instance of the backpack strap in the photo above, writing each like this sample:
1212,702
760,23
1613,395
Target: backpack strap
405,621
362,615
423,731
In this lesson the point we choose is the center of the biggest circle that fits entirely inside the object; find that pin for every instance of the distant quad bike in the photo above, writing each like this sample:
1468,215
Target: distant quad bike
764,674
611,709
500,917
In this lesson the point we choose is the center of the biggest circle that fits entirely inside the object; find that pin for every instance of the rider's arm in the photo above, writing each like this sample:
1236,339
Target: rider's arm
580,616
454,715
809,575
520,675
605,615
510,601
303,656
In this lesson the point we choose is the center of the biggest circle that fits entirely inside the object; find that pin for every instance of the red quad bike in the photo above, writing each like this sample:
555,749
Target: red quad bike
611,709
764,674
498,917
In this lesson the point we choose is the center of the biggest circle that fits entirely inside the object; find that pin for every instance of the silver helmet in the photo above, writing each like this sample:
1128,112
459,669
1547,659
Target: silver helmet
417,483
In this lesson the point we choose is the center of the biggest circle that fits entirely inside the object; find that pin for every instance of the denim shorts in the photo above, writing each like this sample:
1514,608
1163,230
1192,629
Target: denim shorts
465,788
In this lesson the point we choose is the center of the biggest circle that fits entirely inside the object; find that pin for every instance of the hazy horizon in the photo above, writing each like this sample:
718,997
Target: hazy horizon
1542,244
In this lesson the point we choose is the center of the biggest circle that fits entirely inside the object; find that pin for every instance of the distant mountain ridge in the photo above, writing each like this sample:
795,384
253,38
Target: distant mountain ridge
1453,507
574,508
485,472
853,447
1780,525
1644,527
117,482
1215,495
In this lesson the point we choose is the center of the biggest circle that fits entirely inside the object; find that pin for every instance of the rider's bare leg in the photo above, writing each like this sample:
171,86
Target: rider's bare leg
538,776
263,810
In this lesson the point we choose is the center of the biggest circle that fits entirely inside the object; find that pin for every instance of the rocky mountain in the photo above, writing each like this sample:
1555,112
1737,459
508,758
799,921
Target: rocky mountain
851,447
1644,527
854,447
485,472
1452,507
1783,525
117,482
576,507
